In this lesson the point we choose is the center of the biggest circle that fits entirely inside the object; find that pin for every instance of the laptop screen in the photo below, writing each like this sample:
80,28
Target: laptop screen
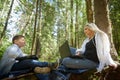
67,51
64,50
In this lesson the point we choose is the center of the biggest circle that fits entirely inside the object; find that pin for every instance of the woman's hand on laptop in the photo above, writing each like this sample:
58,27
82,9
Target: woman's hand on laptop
77,53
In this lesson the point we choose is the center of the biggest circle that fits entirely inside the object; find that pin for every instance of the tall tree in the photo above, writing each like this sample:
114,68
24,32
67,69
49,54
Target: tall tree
115,18
66,19
71,24
35,27
103,21
76,25
38,42
6,23
89,10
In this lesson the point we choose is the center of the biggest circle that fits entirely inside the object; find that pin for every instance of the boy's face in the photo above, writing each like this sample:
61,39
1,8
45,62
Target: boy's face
20,42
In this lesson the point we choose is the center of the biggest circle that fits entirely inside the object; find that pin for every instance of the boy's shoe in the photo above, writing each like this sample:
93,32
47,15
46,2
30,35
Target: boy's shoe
42,70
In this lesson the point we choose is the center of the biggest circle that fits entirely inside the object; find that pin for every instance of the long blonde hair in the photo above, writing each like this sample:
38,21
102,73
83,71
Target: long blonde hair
102,46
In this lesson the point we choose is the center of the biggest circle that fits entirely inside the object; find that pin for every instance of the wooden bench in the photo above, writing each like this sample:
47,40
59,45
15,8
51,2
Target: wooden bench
87,75
27,76
107,74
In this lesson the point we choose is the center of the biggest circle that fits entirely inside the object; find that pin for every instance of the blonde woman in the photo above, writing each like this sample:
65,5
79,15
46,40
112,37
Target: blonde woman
95,49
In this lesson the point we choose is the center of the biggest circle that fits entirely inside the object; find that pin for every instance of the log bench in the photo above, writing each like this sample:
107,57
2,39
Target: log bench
107,74
77,74
87,75
27,76
18,75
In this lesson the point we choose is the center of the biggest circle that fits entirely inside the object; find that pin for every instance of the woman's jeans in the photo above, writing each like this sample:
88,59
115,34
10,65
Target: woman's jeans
76,63
79,63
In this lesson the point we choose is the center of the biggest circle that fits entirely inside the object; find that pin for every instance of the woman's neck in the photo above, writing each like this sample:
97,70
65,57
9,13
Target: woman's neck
91,36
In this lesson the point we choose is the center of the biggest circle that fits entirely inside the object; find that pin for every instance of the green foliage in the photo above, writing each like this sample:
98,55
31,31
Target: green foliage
27,48
3,46
114,15
3,3
25,6
54,21
49,13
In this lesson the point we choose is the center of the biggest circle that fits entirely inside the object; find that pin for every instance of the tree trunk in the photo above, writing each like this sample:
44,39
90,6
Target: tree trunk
71,24
34,34
103,21
66,24
38,44
76,26
89,10
6,23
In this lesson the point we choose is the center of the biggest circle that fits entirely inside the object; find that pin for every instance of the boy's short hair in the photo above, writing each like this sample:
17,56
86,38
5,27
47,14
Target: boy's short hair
16,37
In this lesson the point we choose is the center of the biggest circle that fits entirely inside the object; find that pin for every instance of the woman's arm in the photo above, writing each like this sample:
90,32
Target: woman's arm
82,49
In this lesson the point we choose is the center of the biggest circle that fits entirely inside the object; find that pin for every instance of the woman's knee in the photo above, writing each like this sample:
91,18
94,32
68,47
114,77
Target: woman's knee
66,61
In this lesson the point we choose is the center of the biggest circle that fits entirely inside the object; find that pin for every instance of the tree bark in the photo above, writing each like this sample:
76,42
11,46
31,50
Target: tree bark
6,23
38,42
103,21
66,23
89,10
71,25
76,26
34,34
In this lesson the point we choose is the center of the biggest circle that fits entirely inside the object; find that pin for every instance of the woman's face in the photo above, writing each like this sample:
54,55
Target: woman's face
88,32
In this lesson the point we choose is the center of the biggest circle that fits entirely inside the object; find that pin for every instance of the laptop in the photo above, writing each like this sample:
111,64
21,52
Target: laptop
67,51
